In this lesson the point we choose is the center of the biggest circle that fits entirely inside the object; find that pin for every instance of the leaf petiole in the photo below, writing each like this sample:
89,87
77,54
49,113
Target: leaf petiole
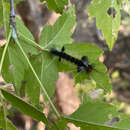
41,85
32,42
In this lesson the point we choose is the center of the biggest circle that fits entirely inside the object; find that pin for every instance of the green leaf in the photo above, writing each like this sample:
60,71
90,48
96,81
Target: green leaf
10,126
37,78
93,111
45,68
3,117
4,15
56,5
15,63
100,67
32,87
4,122
107,23
52,36
65,66
99,116
83,49
124,122
24,107
102,81
100,77
23,33
22,29
14,66
89,125
49,73
60,124
60,33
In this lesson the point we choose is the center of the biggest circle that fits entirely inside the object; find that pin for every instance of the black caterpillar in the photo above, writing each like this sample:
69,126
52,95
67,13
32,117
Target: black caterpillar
82,64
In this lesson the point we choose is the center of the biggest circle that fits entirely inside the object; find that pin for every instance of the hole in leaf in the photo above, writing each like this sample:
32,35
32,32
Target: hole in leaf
111,11
113,121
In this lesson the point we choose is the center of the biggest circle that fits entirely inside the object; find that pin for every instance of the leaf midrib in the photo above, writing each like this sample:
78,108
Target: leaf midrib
57,34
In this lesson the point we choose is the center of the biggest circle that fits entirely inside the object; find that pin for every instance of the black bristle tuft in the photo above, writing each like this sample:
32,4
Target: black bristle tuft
81,64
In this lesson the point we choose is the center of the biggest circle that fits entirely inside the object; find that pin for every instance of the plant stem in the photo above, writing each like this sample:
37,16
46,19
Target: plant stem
4,18
12,11
57,113
4,52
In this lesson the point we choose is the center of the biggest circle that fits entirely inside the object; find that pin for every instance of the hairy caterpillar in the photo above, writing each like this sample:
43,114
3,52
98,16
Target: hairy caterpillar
82,64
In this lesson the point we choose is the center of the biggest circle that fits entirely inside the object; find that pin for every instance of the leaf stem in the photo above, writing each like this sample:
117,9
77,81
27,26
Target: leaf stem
4,52
4,111
57,113
31,42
